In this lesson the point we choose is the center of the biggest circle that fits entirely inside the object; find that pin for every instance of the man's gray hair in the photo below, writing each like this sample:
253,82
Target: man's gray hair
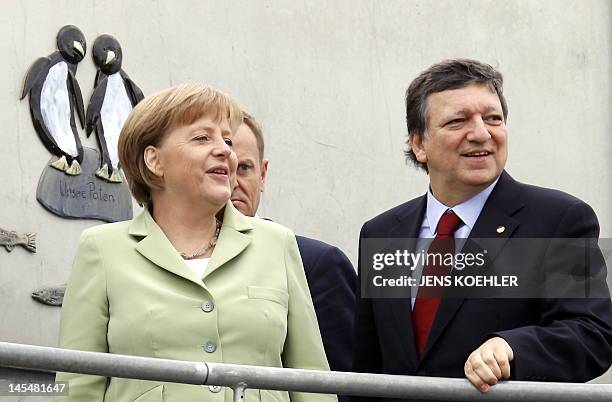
443,76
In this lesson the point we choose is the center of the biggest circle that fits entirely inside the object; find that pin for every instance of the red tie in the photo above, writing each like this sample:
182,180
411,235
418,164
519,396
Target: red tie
428,297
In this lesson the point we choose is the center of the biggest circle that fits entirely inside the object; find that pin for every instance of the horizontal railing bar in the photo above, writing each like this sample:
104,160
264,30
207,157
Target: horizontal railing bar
109,365
408,387
272,378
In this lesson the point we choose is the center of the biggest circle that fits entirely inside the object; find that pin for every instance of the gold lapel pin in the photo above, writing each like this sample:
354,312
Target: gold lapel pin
500,229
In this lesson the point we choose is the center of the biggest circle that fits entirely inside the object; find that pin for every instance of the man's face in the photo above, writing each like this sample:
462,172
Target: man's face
465,145
251,175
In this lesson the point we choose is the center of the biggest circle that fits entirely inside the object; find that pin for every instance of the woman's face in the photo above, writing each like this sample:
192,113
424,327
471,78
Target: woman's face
196,162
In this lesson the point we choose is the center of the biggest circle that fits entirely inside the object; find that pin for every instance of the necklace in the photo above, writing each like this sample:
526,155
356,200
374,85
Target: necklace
206,247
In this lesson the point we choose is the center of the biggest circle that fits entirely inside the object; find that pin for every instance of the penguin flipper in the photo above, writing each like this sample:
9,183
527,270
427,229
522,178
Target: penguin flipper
77,96
35,74
99,76
133,91
95,106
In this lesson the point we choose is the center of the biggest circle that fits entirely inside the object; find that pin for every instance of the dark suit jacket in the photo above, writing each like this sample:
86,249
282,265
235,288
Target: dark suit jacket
552,339
332,281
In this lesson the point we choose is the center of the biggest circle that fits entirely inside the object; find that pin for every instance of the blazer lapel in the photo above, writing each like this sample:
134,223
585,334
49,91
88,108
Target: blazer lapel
156,247
233,238
496,215
407,227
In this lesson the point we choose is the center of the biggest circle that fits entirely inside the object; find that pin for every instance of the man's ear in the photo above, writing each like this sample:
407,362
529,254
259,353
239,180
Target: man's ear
264,171
152,159
416,144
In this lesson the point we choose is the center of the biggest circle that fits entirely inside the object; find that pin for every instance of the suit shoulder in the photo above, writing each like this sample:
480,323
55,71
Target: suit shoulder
311,248
108,230
380,223
551,200
321,260
270,228
315,245
546,212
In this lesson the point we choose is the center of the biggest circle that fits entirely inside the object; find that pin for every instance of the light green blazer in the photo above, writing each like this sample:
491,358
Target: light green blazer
131,293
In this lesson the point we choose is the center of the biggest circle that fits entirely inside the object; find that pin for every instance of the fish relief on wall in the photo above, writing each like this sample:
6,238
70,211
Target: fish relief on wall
81,182
11,239
50,295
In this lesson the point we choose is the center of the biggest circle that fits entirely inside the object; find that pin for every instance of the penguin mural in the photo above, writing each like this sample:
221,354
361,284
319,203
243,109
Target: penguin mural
113,98
54,96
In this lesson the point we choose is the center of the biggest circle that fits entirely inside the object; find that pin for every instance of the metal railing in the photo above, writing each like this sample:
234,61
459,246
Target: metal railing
239,377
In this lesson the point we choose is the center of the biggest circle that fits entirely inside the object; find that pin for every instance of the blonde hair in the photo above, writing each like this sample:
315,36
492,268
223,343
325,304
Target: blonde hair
155,116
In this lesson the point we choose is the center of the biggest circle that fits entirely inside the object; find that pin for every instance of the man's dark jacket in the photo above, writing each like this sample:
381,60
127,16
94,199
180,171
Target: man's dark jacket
332,281
552,339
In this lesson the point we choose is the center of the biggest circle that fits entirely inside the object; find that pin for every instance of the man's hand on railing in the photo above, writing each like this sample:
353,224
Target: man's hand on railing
489,363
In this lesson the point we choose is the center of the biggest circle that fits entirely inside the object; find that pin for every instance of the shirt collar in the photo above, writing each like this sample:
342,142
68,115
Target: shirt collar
468,210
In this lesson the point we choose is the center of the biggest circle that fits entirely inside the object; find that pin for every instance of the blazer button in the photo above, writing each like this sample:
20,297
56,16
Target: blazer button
207,306
210,347
214,388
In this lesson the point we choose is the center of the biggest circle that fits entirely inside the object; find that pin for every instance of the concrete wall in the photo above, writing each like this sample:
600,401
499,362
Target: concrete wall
326,79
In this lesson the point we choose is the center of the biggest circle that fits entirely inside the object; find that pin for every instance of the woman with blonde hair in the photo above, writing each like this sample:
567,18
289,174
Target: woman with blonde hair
190,278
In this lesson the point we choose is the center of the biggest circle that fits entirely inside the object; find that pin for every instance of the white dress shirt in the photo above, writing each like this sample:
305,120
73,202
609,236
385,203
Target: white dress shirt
468,211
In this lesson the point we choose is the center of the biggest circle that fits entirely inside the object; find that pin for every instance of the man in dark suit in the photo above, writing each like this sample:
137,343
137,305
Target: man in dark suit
330,275
456,116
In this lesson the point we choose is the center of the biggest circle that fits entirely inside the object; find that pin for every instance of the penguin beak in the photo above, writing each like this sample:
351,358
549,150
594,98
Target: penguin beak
110,57
79,48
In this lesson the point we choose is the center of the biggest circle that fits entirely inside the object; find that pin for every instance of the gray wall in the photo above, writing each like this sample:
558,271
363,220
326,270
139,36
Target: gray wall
326,79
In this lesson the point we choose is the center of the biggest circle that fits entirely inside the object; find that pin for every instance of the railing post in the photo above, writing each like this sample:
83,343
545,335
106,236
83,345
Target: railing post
239,392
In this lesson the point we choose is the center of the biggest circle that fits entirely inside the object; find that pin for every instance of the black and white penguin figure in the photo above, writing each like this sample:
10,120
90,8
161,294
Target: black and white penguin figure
54,96
113,98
